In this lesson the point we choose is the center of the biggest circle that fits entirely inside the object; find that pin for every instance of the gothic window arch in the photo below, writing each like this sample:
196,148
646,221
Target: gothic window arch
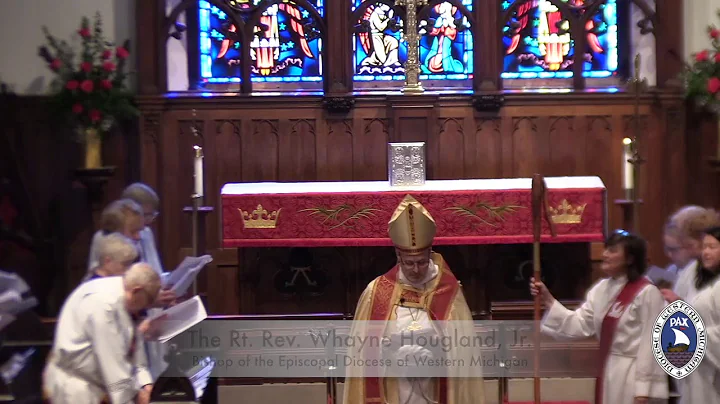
380,50
539,39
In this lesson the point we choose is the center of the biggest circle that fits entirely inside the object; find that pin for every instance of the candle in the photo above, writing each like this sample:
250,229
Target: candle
198,172
628,168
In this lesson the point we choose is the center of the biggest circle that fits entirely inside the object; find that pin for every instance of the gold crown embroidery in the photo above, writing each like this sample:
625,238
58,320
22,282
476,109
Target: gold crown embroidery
259,218
565,213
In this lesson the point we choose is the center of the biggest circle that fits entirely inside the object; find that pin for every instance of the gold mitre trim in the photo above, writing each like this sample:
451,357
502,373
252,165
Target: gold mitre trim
411,227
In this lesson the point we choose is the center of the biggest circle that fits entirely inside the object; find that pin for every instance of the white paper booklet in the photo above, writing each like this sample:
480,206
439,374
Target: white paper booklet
184,275
179,318
12,281
661,277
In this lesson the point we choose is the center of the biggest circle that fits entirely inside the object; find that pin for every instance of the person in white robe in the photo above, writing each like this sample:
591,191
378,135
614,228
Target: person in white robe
683,236
630,374
116,253
97,353
703,384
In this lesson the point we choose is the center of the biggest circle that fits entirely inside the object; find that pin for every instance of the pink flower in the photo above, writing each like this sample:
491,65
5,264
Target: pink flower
86,67
107,53
87,86
77,108
55,64
106,84
109,66
72,85
84,32
121,53
95,115
715,33
702,56
717,57
713,85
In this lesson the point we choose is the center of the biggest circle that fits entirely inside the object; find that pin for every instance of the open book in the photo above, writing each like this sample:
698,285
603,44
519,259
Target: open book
184,275
662,278
178,318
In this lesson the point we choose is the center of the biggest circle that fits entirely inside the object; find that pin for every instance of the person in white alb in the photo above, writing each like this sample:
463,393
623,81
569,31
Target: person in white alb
703,384
97,353
684,234
620,311
116,253
123,216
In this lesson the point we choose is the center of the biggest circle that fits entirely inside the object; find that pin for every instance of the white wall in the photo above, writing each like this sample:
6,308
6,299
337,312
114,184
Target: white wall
21,34
698,14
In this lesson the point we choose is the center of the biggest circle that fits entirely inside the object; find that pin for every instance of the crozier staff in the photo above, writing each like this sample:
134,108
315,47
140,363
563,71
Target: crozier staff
620,311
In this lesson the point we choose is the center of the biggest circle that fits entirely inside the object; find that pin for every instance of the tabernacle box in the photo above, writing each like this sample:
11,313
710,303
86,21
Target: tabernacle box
406,164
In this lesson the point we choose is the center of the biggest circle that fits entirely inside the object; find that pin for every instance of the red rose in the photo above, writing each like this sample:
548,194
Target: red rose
106,84
106,54
95,115
55,64
72,85
77,108
717,57
84,32
87,86
86,67
713,85
109,66
702,56
121,52
714,33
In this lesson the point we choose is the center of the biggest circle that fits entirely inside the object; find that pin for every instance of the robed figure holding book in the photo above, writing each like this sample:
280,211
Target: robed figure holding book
420,296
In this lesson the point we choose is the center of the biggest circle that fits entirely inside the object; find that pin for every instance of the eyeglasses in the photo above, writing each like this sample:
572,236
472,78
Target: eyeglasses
151,215
621,232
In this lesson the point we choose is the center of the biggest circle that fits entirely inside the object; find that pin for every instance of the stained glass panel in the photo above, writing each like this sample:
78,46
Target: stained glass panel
538,43
446,44
380,50
287,46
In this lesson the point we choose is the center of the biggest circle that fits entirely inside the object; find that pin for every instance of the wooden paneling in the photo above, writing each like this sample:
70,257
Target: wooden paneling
252,140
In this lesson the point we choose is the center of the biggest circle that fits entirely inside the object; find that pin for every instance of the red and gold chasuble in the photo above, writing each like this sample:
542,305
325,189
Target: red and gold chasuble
609,325
437,301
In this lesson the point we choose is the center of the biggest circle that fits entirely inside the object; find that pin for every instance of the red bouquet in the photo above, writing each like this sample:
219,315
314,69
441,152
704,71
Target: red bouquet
90,86
702,76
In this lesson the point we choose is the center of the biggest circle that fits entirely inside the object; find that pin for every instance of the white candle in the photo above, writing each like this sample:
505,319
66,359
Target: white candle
628,168
198,172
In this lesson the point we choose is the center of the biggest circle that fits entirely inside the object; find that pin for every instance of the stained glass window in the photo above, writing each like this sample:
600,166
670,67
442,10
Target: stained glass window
538,43
446,44
380,50
286,46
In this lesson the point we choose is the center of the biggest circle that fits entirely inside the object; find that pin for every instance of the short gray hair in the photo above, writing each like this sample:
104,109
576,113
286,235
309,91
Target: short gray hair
144,276
117,248
117,213
142,194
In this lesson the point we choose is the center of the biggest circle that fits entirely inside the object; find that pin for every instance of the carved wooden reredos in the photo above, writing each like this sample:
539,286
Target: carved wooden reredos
337,130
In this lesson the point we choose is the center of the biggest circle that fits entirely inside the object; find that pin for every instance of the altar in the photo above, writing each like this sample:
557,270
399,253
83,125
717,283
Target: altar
334,214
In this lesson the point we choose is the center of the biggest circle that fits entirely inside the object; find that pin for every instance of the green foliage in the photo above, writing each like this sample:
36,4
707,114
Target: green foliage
89,90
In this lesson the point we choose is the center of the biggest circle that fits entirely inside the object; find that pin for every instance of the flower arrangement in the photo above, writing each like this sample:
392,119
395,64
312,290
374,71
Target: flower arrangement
90,91
702,75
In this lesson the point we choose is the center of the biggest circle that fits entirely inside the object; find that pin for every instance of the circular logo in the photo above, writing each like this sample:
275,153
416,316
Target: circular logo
678,339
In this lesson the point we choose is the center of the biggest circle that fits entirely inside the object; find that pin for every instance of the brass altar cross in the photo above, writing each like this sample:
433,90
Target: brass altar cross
412,65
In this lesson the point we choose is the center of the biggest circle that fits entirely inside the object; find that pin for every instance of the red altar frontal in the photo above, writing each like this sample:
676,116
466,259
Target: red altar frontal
487,211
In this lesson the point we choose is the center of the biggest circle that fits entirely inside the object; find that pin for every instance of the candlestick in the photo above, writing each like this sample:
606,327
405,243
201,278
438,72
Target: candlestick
628,168
198,171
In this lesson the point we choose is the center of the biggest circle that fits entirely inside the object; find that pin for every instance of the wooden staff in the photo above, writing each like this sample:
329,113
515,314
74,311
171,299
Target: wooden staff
539,200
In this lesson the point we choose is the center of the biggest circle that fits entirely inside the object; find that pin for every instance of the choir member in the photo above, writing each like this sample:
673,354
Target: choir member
683,245
415,295
620,311
116,253
703,384
122,216
97,353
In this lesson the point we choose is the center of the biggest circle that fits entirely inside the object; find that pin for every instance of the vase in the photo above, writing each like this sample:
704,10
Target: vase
93,147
